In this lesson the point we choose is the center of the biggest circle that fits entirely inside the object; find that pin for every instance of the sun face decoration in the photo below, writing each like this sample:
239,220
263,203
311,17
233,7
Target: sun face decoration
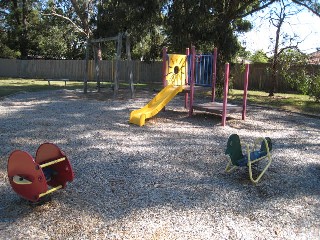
176,69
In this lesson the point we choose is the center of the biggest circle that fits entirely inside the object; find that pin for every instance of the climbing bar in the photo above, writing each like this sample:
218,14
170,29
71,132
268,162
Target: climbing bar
50,191
52,162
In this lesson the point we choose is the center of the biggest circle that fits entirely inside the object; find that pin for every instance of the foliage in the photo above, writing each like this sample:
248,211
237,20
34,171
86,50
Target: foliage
306,81
19,22
206,24
58,39
139,18
287,60
60,28
5,51
242,55
314,90
149,47
259,56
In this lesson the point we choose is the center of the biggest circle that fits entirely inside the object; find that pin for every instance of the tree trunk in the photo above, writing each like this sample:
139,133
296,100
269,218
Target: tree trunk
24,44
274,67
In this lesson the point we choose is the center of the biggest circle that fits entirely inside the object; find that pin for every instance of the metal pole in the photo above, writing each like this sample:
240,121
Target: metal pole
116,79
214,74
129,61
193,56
164,66
86,68
186,96
225,94
245,92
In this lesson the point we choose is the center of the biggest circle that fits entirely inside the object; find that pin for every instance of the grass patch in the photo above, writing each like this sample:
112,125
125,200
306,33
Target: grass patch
292,102
11,86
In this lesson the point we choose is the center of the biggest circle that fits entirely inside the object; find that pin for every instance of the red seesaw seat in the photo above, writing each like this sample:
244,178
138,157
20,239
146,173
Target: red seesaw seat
35,178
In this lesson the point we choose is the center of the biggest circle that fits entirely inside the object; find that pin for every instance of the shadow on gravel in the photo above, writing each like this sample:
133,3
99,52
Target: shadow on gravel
121,168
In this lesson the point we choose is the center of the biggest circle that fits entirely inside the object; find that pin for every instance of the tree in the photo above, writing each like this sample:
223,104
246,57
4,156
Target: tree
5,51
259,56
142,19
282,41
65,36
312,5
208,23
77,13
295,70
292,68
19,21
149,47
203,23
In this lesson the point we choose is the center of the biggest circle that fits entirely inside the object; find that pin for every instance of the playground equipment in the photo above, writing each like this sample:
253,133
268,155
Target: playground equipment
155,105
183,73
96,47
238,159
199,67
174,74
34,178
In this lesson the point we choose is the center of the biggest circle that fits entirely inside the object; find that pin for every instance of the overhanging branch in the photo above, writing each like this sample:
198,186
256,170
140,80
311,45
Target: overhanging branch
79,29
257,9
314,11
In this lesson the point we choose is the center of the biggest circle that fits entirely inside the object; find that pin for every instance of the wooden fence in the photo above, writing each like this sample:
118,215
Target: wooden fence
75,70
259,78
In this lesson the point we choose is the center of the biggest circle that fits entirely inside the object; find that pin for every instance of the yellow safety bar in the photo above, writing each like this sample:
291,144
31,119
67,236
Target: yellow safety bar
52,162
50,191
256,160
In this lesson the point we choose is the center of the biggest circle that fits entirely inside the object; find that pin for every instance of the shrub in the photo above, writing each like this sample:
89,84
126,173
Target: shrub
314,90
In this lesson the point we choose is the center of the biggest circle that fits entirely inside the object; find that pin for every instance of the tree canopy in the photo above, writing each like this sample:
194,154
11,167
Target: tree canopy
60,28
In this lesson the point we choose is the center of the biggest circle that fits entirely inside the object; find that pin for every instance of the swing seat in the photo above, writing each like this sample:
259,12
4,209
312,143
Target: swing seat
238,159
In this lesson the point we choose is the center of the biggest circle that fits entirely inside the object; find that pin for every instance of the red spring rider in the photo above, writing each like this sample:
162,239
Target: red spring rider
35,178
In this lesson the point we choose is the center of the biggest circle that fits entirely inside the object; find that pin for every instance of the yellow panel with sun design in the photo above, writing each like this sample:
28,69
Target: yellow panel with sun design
176,66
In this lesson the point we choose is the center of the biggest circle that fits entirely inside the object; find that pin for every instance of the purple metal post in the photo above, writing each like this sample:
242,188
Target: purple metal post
186,96
164,66
245,92
214,75
225,94
193,56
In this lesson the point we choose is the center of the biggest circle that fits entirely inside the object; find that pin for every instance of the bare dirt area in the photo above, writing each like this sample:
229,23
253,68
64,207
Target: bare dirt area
165,180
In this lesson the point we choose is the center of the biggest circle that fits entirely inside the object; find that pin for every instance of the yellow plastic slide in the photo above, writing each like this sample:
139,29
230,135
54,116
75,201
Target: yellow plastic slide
155,105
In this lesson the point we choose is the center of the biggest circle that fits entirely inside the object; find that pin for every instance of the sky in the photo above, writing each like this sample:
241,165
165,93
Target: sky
305,24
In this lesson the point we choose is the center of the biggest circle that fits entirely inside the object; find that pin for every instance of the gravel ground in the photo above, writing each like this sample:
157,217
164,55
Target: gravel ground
165,180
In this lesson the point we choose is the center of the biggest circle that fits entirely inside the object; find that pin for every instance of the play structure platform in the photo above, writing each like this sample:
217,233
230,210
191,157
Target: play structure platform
217,108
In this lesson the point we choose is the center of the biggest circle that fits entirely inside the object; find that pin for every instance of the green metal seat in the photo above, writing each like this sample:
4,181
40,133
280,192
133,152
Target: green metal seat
238,159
